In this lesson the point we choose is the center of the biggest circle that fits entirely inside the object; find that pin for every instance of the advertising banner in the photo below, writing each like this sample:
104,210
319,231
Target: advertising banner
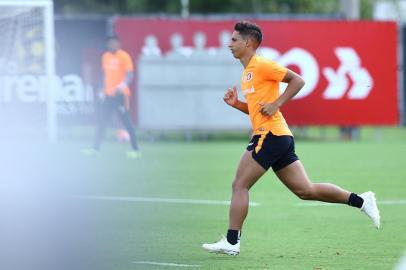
350,68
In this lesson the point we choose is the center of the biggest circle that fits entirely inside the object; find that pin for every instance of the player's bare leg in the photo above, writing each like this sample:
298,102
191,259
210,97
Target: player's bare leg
248,172
295,178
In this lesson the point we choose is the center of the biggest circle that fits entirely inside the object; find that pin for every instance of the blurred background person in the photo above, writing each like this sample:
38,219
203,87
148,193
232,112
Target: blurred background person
118,71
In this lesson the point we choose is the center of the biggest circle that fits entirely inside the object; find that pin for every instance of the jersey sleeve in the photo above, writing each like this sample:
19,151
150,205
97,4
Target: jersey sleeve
272,71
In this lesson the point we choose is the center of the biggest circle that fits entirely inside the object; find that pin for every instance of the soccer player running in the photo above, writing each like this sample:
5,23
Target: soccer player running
118,71
272,144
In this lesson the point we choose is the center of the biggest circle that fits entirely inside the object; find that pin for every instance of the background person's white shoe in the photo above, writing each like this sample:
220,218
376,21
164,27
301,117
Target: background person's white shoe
370,208
223,246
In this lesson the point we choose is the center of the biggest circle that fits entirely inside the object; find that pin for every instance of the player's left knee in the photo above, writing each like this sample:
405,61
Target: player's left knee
305,193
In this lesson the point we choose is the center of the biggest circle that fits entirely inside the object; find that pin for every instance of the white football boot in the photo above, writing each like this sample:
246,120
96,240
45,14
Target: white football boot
370,208
224,247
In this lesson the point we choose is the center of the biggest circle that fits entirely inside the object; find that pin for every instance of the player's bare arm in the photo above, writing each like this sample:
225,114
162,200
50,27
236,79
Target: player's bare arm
231,98
295,83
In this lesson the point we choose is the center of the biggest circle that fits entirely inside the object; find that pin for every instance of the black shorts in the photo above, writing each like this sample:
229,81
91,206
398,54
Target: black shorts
273,151
114,102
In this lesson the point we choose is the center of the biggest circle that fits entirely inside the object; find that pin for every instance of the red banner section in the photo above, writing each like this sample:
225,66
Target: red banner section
350,68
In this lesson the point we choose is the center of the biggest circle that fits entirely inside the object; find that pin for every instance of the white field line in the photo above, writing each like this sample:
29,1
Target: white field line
160,200
166,264
315,204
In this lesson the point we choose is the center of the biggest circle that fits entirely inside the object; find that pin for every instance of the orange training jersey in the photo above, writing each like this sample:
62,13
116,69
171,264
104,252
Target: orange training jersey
260,83
115,67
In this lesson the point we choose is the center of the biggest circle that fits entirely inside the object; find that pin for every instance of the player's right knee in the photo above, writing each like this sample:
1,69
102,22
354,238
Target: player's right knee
238,186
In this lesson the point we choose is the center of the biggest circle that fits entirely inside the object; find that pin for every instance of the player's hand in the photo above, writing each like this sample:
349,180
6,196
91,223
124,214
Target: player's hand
268,109
231,96
121,87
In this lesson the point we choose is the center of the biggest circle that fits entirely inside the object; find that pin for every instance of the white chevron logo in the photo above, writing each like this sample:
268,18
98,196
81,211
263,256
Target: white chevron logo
338,82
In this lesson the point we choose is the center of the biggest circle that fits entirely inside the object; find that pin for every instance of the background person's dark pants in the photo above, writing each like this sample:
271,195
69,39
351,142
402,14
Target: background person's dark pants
110,105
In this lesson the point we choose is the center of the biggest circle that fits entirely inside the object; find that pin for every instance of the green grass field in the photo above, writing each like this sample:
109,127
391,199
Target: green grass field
283,232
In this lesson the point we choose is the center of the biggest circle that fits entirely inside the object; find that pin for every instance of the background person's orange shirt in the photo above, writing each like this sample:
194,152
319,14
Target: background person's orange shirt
115,68
260,83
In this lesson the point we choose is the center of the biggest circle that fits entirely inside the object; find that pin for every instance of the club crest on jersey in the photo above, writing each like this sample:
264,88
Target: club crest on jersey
248,77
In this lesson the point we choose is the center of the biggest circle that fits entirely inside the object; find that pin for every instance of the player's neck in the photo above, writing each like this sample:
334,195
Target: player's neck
245,59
